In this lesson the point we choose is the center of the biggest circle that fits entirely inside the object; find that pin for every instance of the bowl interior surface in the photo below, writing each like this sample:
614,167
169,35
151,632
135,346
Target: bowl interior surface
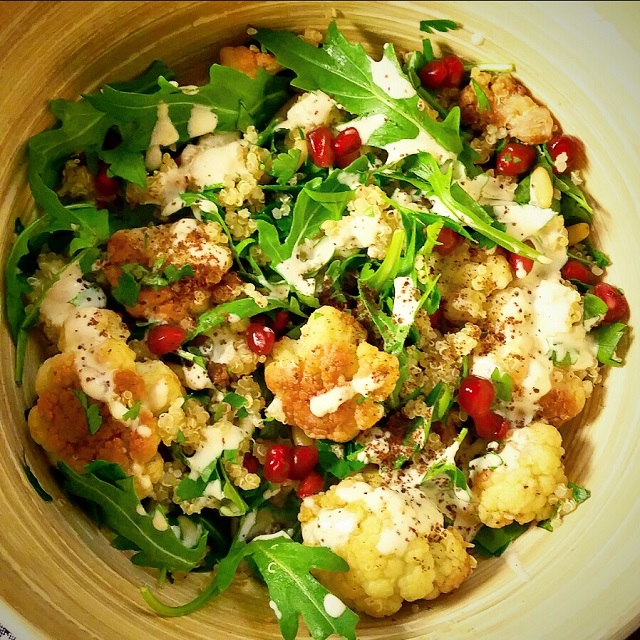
58,575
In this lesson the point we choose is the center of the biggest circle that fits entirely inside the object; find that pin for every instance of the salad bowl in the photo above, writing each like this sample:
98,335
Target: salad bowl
59,577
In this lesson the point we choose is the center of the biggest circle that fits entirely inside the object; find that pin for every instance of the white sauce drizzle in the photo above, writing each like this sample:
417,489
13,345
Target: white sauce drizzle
387,76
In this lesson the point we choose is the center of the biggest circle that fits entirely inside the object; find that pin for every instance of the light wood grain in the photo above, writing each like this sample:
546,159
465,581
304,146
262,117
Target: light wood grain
59,578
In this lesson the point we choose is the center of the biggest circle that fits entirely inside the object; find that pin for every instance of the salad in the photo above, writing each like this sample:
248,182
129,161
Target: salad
319,320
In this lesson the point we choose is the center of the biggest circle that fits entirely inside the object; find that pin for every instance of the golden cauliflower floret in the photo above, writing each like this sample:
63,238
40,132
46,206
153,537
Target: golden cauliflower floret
248,61
88,326
329,382
566,399
186,243
521,489
511,107
161,386
397,548
58,422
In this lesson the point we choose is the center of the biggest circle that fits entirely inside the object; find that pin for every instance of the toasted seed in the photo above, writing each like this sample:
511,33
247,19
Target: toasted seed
578,232
541,188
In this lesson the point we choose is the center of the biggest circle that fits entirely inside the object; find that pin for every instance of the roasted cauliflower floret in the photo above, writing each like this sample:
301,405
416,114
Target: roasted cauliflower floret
566,399
329,382
58,422
396,547
521,489
511,107
186,243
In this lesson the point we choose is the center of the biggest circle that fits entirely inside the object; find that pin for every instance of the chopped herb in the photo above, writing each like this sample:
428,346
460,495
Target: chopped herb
503,384
484,104
429,26
92,412
133,412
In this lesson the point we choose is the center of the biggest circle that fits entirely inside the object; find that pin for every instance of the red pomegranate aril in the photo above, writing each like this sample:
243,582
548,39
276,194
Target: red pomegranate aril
277,463
567,145
281,322
310,485
448,240
575,270
320,145
520,263
476,395
455,71
260,339
617,305
515,158
346,160
165,338
104,184
303,460
491,426
251,463
347,141
436,319
434,74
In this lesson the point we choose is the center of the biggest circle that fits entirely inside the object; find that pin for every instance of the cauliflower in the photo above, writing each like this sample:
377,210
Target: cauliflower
522,488
248,61
58,422
200,246
566,399
511,108
330,381
396,547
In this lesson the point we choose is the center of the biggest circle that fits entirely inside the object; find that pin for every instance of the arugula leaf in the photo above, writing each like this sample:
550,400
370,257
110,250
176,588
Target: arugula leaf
147,81
463,206
107,486
580,494
593,306
127,291
503,385
244,308
235,98
92,412
484,104
340,465
285,566
285,165
445,465
429,26
344,71
607,338
494,542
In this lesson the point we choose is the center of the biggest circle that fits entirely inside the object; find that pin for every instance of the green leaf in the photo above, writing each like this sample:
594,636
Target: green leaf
126,164
593,306
235,400
494,542
344,71
429,26
127,291
342,464
607,338
573,204
503,384
285,165
133,412
146,82
235,98
107,486
580,494
484,104
92,412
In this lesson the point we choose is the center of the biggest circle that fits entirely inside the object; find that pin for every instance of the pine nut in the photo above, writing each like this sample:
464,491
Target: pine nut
578,232
541,189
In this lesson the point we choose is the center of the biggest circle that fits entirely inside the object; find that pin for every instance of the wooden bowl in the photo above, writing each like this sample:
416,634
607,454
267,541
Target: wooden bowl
58,575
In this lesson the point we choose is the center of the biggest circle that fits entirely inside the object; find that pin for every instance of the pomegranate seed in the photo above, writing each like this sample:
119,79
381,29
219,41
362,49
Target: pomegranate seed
515,158
347,141
346,160
455,71
617,305
564,145
310,485
520,263
320,144
165,338
434,74
251,463
277,463
303,460
491,426
260,339
476,395
575,270
105,185
448,240
281,322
